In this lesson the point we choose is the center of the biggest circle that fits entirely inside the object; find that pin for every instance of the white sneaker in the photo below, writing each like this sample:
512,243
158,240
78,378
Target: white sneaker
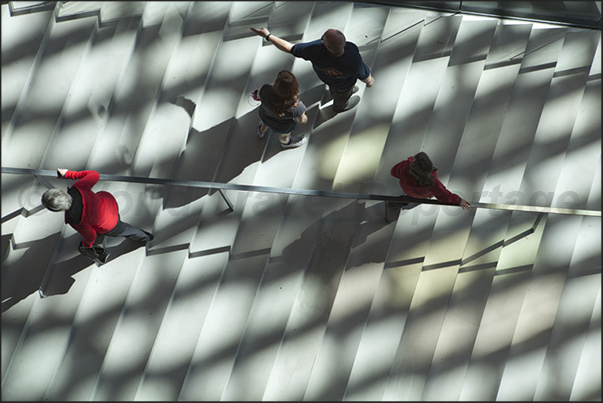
294,141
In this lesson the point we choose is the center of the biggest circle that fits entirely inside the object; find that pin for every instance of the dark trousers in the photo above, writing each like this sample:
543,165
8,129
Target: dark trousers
340,98
128,231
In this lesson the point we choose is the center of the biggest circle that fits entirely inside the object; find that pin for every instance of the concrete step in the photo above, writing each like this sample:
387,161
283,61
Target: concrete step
146,114
367,135
503,306
553,255
418,96
245,203
85,115
32,246
590,361
133,103
39,110
344,331
199,371
433,54
518,129
577,179
545,160
20,59
468,56
453,226
310,311
579,305
484,122
366,141
532,333
108,13
94,325
514,263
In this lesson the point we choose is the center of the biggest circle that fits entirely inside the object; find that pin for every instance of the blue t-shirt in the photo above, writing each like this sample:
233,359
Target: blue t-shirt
339,73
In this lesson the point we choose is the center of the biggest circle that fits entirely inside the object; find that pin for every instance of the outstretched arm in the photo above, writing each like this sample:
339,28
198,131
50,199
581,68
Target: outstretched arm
278,42
465,204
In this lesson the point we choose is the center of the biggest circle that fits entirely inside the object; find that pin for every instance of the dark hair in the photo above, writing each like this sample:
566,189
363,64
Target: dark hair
284,92
421,168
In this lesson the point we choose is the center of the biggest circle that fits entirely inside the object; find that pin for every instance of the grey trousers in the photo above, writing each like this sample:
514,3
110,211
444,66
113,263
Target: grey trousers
128,231
340,98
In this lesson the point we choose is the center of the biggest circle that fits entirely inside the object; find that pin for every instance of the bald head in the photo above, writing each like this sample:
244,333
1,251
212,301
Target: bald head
334,41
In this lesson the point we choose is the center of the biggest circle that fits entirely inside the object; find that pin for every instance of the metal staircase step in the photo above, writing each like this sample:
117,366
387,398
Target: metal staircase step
504,176
137,328
589,369
38,112
309,314
577,177
367,132
133,103
94,324
535,318
547,154
20,58
418,95
457,91
250,174
548,283
364,144
32,246
351,306
85,114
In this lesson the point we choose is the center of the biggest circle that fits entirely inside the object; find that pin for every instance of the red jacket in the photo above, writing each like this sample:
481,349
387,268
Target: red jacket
99,210
412,189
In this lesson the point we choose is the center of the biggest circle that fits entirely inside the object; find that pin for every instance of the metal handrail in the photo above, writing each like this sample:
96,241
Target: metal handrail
571,21
305,192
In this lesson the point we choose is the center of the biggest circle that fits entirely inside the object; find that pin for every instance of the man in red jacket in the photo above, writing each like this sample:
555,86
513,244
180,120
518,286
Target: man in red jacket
90,213
418,179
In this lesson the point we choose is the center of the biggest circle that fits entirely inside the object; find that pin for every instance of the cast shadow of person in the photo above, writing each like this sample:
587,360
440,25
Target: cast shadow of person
61,276
24,275
219,154
331,231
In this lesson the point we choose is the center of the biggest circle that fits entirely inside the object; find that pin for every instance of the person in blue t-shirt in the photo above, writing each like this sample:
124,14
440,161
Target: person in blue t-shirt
336,61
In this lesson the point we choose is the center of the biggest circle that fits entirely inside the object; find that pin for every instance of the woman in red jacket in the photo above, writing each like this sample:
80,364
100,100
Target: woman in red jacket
418,179
90,213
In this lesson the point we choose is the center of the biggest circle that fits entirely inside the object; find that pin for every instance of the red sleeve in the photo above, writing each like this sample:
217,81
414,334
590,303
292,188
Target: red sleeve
442,194
397,170
87,232
85,179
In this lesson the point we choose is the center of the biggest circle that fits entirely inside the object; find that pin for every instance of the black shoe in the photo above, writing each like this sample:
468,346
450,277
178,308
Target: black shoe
352,102
90,253
101,253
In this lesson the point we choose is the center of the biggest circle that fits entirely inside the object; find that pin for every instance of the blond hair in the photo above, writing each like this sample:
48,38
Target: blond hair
56,200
